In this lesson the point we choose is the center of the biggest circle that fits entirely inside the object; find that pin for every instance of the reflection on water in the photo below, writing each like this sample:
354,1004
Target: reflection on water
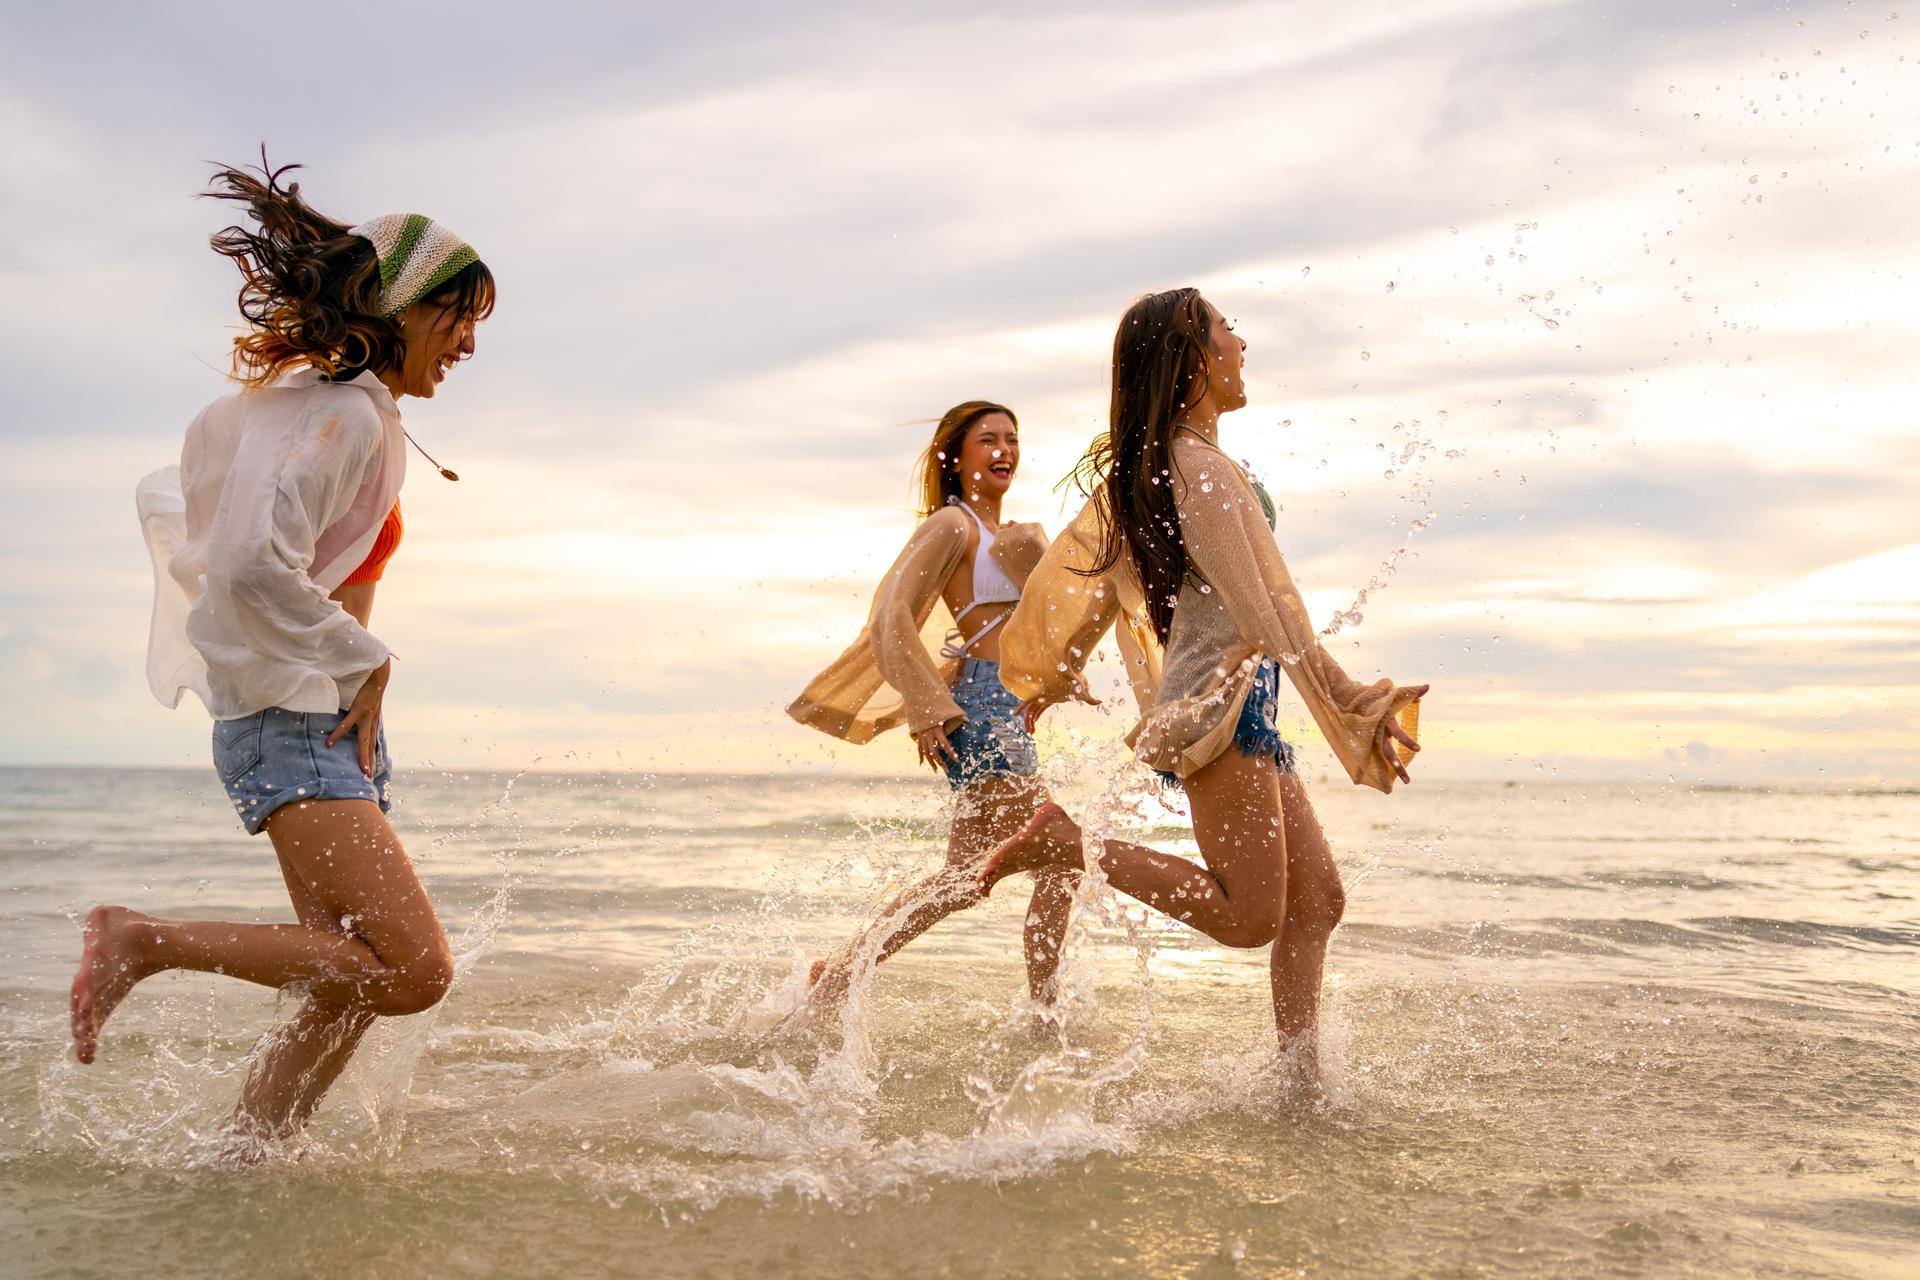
1570,1029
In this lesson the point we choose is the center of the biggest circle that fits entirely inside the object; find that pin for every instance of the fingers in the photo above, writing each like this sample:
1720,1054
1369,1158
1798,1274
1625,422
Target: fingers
366,737
1388,732
342,729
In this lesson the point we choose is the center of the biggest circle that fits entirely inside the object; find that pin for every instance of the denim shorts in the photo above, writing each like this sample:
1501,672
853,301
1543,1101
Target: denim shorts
276,757
1256,735
993,743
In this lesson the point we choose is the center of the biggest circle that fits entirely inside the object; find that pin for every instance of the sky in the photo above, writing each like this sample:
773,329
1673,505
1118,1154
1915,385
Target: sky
1578,349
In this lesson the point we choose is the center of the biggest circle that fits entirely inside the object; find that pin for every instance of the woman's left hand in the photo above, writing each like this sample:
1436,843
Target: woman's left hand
363,717
1390,733
1030,709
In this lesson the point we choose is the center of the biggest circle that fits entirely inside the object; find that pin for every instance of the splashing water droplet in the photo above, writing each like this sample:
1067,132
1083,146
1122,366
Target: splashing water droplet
1305,272
1366,355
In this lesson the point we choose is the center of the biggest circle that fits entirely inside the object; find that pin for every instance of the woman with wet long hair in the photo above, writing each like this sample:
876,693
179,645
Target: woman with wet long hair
268,540
1177,541
964,722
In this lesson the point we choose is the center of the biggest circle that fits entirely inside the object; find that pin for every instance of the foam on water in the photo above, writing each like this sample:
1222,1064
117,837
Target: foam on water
1584,1026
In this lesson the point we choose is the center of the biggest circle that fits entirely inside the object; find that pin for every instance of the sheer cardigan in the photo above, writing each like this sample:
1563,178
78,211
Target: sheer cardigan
889,675
1191,690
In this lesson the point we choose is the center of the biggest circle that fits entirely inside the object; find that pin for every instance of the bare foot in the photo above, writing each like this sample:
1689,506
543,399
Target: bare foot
109,967
1050,839
813,974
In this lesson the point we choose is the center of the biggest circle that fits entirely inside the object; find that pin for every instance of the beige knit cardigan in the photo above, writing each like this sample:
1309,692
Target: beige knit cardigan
1062,615
889,675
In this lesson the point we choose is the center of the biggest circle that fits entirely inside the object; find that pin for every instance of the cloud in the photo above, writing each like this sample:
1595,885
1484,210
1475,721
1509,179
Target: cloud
1645,336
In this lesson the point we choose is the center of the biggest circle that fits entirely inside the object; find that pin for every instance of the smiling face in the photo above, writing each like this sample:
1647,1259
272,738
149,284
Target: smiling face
436,338
989,456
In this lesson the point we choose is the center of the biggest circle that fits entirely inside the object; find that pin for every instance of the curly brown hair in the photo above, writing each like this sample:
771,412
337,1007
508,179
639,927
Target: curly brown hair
310,289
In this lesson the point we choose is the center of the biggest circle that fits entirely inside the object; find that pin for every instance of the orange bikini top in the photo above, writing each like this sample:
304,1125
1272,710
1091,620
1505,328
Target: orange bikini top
385,543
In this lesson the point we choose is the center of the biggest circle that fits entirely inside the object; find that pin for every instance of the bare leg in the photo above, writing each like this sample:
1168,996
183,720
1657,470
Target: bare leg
329,860
987,814
1238,898
1048,913
368,941
1315,903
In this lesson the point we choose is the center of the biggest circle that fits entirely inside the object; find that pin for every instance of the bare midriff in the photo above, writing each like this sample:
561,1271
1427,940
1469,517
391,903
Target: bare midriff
988,650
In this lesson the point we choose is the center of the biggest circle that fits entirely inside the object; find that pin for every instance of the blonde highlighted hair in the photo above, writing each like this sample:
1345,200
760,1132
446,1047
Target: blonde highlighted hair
939,469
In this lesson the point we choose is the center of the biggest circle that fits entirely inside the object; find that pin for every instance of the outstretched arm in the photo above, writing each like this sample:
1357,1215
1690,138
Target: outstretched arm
1229,542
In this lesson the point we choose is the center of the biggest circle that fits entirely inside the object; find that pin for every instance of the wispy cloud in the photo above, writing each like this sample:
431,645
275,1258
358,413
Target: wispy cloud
1619,298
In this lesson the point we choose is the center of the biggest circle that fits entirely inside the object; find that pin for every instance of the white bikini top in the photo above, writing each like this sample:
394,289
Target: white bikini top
991,585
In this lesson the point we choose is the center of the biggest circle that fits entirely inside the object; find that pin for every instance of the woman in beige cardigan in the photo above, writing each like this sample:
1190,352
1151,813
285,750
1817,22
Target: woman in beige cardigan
1177,542
963,720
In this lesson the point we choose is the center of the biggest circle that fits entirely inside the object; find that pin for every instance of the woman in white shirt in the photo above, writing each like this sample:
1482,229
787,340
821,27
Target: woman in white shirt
267,542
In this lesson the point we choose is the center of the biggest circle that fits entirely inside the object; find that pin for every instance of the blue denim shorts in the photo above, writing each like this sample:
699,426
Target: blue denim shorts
1256,735
993,743
276,757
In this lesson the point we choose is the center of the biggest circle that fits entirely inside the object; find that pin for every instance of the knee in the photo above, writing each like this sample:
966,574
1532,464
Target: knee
1255,929
1318,908
420,984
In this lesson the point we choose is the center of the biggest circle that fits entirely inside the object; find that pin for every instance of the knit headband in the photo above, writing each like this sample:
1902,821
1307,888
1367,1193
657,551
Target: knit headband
417,255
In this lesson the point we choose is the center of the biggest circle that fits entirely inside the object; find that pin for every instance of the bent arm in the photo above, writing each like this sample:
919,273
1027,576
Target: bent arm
267,562
1062,615
1234,550
900,608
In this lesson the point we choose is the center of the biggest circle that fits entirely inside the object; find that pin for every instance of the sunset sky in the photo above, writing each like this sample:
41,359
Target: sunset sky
1618,304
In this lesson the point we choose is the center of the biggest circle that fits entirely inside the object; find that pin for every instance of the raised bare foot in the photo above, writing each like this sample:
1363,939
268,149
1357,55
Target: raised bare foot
109,966
1050,839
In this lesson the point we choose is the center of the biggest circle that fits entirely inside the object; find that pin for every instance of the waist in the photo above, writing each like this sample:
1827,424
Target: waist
977,671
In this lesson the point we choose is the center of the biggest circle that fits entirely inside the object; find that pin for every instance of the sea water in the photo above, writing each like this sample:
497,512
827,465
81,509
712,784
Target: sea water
1569,1030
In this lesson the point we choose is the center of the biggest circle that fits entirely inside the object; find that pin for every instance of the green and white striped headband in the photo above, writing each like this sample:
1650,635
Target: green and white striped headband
417,255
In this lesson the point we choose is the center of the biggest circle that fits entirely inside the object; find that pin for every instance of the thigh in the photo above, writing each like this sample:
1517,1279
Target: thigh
343,861
988,813
1237,821
1310,864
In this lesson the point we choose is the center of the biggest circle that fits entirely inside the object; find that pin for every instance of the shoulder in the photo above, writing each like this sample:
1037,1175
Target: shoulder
1200,468
947,525
1022,533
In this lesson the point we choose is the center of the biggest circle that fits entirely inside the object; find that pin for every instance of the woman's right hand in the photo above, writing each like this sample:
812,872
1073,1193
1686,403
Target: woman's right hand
1391,732
933,743
363,717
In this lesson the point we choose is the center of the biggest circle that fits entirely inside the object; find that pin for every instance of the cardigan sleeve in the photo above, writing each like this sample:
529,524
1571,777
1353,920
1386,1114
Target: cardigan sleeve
900,608
1061,617
1229,543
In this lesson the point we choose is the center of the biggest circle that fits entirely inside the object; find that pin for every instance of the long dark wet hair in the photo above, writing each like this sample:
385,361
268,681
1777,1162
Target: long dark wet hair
1159,373
310,291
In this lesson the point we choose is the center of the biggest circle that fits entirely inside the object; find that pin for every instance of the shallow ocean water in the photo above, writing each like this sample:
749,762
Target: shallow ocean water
1605,1030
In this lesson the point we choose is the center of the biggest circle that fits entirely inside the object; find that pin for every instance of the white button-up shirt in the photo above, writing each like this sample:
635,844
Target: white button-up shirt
278,496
